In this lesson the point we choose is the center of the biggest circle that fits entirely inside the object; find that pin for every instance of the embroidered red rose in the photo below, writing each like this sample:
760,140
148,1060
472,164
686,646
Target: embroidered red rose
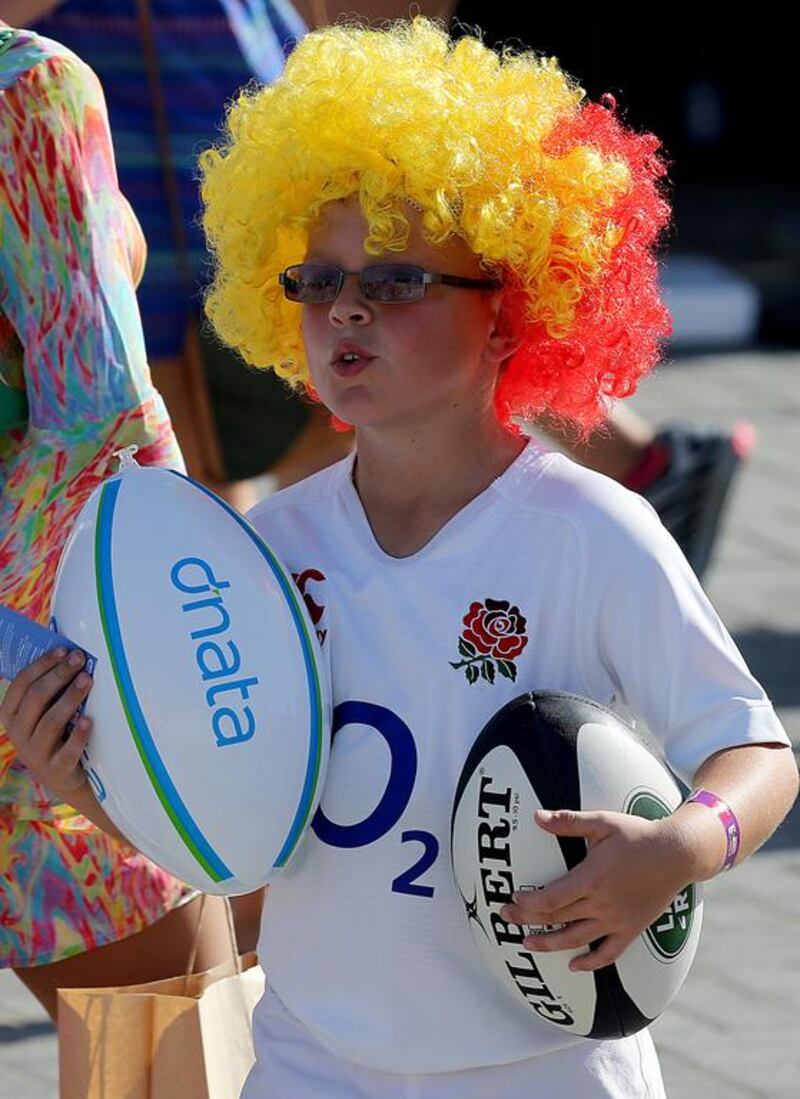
496,629
493,637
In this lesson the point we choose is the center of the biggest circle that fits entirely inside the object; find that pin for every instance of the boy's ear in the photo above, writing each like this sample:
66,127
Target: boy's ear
508,330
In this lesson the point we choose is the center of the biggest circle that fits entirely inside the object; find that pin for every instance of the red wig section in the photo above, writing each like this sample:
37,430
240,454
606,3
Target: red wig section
620,320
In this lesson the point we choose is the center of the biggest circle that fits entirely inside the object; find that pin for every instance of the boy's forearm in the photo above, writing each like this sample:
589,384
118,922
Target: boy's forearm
759,782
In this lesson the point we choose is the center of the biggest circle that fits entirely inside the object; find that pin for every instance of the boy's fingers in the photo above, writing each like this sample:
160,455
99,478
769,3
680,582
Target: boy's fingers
607,952
41,693
19,685
527,913
67,758
539,905
47,735
575,935
568,822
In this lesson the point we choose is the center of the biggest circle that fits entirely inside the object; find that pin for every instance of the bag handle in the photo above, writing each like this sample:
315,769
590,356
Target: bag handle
169,174
198,385
237,961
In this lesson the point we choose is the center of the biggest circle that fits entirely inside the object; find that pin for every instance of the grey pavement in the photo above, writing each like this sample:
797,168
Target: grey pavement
732,1029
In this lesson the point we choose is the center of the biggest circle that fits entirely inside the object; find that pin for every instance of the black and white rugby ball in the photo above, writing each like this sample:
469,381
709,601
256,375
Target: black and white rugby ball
552,750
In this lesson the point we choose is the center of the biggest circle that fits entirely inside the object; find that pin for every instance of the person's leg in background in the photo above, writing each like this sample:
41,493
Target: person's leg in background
161,950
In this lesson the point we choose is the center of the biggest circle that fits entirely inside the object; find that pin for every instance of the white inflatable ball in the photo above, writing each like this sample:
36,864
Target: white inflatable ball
552,750
211,697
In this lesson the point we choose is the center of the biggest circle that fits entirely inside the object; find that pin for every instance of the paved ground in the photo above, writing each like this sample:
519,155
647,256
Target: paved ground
733,1028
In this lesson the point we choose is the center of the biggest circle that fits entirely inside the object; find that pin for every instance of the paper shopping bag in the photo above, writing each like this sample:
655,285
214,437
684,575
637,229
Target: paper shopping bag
181,1038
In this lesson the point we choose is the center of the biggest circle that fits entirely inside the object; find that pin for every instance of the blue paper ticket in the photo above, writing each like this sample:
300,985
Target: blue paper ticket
22,641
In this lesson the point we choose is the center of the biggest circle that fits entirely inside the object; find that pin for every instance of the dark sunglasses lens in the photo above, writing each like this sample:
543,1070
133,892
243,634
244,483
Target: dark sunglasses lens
393,282
311,282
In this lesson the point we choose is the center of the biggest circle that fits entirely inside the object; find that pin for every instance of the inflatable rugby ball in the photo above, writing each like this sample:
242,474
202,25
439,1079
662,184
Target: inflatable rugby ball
552,750
211,703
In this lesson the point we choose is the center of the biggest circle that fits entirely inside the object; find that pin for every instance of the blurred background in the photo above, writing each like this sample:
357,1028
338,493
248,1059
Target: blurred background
716,88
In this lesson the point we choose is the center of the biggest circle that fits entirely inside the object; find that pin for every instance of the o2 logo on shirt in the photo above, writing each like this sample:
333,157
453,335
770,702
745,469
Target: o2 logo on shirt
393,801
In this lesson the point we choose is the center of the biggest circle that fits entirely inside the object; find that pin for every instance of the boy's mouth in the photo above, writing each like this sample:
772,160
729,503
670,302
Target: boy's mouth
350,359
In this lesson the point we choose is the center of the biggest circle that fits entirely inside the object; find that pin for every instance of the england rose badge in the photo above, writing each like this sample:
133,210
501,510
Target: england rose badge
494,635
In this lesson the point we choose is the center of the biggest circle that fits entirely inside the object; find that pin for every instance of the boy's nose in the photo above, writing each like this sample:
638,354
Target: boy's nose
350,307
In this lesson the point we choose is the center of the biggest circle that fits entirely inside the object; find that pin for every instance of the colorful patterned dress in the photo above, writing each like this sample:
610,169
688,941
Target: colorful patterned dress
70,253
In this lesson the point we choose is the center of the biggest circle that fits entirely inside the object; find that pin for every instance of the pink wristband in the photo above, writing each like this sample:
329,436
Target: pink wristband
727,819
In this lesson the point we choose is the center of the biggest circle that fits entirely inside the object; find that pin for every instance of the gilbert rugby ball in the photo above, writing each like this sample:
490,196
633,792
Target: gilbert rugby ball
211,701
552,750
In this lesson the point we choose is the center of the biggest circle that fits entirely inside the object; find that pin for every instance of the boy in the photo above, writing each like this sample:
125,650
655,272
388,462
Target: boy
434,242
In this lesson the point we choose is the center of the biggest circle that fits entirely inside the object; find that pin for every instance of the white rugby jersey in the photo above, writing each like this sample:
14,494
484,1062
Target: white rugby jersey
553,578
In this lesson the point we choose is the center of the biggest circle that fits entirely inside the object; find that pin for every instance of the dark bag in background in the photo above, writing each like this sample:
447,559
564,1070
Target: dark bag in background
256,415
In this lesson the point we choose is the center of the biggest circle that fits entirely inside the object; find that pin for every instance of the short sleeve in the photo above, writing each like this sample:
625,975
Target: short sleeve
68,247
656,635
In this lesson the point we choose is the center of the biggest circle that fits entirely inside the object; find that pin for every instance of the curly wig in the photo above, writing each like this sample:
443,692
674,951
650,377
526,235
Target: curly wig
554,194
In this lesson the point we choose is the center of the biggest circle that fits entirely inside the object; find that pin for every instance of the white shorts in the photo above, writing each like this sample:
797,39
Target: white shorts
291,1064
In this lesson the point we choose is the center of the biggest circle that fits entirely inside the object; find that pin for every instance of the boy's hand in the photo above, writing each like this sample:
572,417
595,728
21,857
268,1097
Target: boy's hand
34,714
633,870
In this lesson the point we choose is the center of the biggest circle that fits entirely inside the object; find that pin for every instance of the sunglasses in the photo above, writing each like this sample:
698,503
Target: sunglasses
391,283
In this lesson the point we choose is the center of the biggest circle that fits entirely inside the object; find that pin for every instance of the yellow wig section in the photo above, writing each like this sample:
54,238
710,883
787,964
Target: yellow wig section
396,115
